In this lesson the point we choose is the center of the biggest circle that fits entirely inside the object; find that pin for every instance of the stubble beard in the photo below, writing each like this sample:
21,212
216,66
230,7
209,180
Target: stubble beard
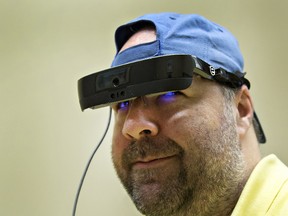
161,190
206,179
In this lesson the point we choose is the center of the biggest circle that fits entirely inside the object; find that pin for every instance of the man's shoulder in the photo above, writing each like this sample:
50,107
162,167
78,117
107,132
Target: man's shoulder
279,206
266,191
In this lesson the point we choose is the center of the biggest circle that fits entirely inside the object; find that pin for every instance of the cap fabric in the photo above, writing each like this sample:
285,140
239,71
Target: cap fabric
183,34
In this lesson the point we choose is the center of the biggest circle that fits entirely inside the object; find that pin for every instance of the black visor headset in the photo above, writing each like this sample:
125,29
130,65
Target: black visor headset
149,76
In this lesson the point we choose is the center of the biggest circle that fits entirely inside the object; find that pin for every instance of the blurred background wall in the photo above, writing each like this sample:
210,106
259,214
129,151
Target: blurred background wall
45,139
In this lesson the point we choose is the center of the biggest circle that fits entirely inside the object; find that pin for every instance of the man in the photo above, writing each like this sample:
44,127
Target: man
193,151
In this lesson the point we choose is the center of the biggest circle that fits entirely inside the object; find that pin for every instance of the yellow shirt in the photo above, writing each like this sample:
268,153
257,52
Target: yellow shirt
266,191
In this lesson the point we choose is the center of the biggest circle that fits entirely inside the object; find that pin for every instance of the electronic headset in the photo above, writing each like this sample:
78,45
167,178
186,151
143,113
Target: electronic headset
149,76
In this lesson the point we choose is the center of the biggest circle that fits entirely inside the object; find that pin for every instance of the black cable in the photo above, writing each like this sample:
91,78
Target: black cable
89,162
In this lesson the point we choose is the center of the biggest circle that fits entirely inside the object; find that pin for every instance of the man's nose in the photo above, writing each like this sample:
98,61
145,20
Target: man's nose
140,121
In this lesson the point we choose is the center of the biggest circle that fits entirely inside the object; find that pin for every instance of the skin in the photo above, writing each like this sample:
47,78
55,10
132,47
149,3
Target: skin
187,154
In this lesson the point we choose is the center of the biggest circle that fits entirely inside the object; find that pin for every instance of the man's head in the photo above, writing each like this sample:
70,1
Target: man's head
186,152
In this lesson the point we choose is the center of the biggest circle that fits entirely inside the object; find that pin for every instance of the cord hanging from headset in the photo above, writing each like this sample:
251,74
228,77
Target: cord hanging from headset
89,162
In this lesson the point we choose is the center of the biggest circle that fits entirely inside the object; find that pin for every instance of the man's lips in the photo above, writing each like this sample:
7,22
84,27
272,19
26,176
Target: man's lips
152,162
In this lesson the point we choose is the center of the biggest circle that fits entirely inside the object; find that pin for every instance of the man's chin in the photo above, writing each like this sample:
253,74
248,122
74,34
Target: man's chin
148,198
160,194
148,188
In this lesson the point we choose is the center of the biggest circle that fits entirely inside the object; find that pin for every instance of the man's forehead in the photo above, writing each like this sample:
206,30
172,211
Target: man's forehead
144,35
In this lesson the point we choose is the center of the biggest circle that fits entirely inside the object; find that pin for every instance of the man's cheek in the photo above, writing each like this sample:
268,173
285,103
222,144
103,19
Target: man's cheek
119,144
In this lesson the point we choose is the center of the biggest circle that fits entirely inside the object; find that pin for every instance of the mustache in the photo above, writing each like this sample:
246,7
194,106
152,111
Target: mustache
150,147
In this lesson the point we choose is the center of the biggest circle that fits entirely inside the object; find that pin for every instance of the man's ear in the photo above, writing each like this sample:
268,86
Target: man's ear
244,111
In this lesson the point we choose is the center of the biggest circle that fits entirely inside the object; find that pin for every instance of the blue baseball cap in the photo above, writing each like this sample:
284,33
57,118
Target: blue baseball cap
181,34
190,34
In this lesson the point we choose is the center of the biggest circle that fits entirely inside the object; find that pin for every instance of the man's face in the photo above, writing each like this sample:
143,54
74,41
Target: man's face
178,151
